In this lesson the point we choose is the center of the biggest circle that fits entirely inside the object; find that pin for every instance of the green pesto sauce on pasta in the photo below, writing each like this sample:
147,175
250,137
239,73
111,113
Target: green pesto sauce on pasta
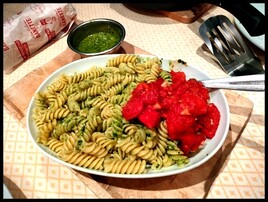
98,42
79,117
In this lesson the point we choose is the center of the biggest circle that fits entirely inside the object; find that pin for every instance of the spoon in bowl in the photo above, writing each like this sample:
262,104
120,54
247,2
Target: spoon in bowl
247,83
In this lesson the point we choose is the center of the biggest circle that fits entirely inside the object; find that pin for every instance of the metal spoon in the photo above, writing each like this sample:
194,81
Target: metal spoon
247,83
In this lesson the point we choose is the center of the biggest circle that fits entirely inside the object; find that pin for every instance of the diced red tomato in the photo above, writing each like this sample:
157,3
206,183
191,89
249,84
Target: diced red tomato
184,105
150,117
209,122
190,142
178,78
150,97
168,101
178,124
196,87
139,90
158,84
148,93
195,104
133,108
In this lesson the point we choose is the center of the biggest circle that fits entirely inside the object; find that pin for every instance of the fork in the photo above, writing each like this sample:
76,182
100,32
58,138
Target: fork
228,47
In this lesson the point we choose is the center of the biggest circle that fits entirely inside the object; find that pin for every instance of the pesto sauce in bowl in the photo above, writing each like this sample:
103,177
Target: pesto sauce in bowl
98,42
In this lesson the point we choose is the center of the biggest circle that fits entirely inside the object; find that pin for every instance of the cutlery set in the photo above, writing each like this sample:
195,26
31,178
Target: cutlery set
225,45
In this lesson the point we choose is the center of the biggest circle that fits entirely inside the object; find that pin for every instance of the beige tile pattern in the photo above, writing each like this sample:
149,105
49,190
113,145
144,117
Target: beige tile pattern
33,175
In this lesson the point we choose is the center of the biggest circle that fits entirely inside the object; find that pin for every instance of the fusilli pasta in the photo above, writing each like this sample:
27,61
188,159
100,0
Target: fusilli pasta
79,117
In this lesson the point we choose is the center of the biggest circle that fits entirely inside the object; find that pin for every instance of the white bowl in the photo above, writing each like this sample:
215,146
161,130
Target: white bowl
210,148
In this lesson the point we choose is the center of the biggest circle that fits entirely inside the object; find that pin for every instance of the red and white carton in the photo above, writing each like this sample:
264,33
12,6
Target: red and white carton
32,28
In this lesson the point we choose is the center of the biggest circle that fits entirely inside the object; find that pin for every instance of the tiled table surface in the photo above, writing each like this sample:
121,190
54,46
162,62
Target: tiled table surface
29,174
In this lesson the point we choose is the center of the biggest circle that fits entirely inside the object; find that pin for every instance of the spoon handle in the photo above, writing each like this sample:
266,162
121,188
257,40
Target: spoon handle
247,83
